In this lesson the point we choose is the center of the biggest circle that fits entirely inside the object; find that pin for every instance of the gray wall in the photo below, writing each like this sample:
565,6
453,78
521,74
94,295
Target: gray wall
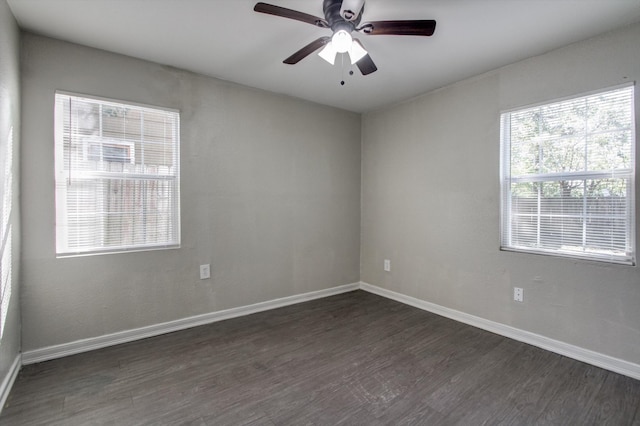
270,197
431,199
9,182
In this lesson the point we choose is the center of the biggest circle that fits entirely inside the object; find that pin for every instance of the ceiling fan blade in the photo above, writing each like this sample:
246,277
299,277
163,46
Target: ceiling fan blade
366,65
290,13
307,50
425,27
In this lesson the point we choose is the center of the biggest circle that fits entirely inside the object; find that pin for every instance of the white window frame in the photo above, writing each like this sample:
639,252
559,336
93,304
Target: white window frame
62,175
506,180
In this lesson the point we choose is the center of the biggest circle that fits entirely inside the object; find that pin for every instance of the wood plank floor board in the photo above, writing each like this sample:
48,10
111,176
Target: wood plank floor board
462,386
350,359
616,401
529,395
578,384
333,404
411,409
495,398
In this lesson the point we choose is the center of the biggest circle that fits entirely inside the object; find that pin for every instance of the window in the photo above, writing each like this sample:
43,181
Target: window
117,176
6,230
567,177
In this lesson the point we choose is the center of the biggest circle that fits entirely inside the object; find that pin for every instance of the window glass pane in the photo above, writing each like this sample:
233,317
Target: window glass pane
606,214
524,218
561,207
525,158
561,155
524,125
119,212
610,150
610,111
525,148
561,119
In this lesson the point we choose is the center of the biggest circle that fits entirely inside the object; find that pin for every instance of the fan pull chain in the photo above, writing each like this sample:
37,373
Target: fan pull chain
342,82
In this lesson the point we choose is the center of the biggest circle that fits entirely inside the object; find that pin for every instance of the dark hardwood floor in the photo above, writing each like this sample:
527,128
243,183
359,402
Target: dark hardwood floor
352,359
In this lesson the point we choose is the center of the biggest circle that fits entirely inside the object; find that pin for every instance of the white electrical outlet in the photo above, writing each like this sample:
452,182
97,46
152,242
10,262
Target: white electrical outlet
387,265
205,271
518,294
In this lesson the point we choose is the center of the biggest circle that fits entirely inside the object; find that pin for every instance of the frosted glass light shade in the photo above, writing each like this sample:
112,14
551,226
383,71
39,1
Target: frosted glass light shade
328,53
356,52
341,41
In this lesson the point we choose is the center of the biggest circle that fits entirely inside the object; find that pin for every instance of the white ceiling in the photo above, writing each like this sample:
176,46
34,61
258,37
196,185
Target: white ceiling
228,40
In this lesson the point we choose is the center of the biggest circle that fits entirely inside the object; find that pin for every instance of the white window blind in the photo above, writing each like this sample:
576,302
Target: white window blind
567,177
117,176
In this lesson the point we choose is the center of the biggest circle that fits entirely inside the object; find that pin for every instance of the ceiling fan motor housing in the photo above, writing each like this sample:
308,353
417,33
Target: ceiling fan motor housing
350,9
332,13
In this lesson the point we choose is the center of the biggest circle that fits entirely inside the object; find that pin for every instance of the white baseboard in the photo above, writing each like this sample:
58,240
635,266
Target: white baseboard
585,355
9,379
85,345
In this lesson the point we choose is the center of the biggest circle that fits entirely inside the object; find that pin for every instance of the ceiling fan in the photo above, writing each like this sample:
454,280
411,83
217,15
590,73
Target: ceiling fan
343,18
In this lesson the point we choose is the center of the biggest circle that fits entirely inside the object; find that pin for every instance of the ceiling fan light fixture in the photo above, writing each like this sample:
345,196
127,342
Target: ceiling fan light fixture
356,52
328,53
341,41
